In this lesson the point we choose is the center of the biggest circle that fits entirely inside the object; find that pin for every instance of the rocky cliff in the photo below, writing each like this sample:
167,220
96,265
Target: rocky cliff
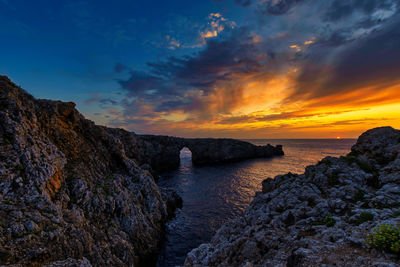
323,217
72,192
75,193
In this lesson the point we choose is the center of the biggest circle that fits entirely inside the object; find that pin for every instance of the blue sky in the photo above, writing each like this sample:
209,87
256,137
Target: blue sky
68,49
239,68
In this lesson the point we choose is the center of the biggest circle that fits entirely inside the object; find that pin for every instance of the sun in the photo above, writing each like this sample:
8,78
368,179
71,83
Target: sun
338,137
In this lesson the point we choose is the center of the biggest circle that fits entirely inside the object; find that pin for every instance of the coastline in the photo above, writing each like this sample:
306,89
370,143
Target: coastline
75,193
319,218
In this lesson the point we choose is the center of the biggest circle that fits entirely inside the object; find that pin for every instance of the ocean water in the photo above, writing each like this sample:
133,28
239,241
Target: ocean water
213,195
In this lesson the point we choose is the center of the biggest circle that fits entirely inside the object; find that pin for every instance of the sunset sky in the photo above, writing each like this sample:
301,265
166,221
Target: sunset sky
212,68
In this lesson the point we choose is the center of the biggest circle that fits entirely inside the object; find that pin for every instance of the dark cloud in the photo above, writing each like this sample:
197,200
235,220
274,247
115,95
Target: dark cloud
244,3
340,9
278,7
370,61
334,50
102,101
141,83
108,101
186,83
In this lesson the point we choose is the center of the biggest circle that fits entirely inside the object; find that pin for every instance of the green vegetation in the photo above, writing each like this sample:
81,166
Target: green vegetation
327,220
385,237
364,217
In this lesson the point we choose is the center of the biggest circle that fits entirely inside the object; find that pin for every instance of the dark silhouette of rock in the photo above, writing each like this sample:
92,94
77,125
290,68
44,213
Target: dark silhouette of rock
162,152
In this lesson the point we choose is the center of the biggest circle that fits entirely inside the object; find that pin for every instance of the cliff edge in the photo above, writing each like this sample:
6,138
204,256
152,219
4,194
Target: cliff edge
341,212
71,192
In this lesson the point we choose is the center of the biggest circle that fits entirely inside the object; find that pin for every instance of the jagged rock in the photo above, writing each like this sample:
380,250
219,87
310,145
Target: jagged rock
319,218
72,189
173,200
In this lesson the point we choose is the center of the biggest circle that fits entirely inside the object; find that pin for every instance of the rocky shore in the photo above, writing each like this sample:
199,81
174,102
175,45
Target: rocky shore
341,212
73,193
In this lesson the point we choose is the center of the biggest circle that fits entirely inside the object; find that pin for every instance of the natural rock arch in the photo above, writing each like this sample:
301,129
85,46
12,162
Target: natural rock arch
163,152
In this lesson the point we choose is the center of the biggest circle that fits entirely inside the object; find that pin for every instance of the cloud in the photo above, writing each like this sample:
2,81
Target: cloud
342,9
244,3
217,23
185,33
372,61
298,67
279,116
277,7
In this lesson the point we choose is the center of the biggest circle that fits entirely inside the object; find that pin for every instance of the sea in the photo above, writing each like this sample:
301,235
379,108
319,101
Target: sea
214,195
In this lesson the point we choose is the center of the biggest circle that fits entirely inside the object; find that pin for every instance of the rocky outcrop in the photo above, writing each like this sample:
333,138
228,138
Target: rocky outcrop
71,192
319,218
211,151
162,152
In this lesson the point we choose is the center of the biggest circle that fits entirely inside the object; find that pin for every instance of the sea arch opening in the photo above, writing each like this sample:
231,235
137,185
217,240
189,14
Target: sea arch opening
185,156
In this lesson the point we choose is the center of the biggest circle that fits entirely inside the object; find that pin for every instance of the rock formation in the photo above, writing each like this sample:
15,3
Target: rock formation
162,152
321,217
71,192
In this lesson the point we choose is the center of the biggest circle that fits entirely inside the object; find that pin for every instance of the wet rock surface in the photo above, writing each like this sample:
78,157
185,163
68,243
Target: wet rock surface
319,218
71,192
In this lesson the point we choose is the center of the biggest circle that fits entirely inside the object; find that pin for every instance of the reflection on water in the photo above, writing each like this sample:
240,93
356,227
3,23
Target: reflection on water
213,195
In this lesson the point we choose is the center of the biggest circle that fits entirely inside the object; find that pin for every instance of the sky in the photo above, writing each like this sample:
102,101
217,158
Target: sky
212,68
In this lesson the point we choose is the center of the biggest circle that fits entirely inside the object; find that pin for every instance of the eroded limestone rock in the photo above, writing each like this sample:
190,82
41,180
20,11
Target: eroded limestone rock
71,192
319,218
